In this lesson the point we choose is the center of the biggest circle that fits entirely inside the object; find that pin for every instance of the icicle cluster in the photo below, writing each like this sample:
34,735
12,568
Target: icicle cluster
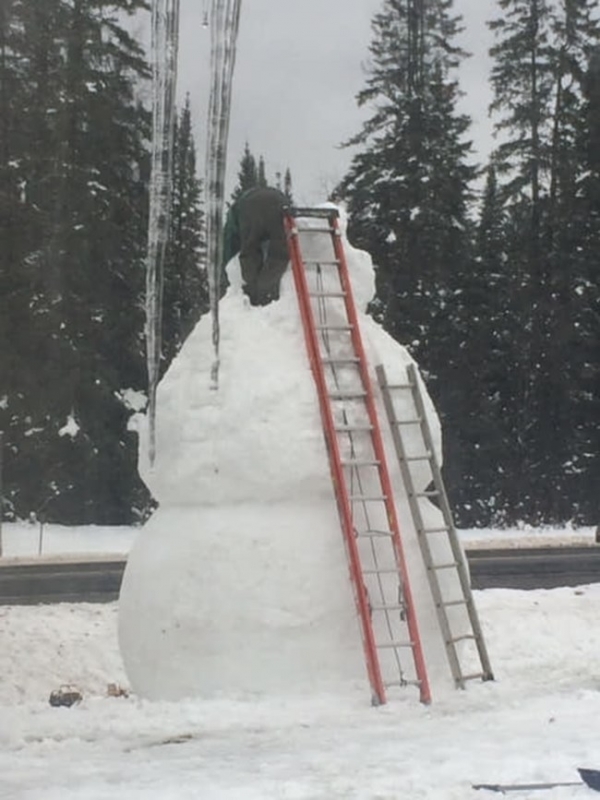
224,25
164,52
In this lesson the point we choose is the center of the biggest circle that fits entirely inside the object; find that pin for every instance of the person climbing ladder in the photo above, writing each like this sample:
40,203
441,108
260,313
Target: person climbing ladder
254,229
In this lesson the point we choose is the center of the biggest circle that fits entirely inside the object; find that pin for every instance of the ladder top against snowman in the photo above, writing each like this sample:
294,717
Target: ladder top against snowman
361,480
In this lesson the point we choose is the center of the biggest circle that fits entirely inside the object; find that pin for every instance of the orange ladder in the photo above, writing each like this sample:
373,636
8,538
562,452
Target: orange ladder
357,460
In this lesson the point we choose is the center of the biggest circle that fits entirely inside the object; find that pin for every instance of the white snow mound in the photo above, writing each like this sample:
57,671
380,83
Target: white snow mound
239,581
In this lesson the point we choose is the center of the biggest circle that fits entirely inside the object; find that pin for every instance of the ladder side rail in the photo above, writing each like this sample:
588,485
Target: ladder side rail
343,501
435,468
296,257
422,538
452,533
421,669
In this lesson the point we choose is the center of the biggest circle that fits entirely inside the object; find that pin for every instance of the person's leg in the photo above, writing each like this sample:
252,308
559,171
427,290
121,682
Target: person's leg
269,279
277,255
251,255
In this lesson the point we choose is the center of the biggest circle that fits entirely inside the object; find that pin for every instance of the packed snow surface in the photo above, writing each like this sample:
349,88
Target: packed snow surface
537,721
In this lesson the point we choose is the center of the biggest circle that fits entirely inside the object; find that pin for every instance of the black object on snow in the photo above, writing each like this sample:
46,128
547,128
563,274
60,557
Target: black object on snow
65,696
590,777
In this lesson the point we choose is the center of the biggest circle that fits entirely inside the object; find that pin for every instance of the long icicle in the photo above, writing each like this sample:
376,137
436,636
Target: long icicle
164,56
225,16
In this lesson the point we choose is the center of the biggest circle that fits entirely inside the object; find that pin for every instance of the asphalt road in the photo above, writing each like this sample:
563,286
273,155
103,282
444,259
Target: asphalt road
72,580
535,567
60,580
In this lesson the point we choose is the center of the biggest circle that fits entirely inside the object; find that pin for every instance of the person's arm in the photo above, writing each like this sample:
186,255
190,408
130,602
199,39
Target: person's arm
231,236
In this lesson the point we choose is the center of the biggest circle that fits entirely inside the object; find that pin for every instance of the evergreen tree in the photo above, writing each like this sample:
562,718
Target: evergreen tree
489,328
572,235
583,334
522,82
252,173
408,189
540,57
185,296
13,212
261,176
72,297
247,175
287,186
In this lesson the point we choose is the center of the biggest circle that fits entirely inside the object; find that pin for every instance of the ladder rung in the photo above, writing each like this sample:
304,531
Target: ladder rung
333,327
367,498
320,229
353,428
434,530
313,262
395,607
432,493
356,395
388,571
402,683
314,212
348,360
473,676
415,421
373,534
327,294
451,603
396,645
423,457
467,636
359,462
449,565
399,386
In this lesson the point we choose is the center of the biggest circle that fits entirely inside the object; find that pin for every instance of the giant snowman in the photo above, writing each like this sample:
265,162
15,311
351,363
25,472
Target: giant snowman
239,582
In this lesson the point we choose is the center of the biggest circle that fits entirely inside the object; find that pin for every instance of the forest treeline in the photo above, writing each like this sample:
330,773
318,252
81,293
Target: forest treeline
494,290
500,307
74,170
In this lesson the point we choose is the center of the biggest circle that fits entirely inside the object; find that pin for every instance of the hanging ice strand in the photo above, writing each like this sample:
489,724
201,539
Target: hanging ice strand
224,26
164,52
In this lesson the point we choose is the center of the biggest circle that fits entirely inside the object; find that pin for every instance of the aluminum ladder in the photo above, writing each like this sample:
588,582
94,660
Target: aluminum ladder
440,547
357,460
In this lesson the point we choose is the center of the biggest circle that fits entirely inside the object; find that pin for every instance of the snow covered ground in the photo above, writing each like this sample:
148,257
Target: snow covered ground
26,539
539,720
30,539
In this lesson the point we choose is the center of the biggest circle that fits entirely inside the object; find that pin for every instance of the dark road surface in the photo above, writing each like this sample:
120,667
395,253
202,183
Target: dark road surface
97,580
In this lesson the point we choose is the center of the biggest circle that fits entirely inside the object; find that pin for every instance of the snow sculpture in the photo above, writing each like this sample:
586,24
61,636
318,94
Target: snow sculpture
239,582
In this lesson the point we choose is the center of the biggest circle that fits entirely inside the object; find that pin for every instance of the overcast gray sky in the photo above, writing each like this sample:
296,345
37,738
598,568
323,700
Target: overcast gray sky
298,70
